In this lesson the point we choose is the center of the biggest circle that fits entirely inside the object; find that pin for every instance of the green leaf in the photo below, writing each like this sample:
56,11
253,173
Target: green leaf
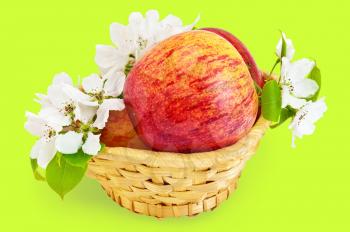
315,75
284,47
61,176
38,172
271,101
78,159
285,114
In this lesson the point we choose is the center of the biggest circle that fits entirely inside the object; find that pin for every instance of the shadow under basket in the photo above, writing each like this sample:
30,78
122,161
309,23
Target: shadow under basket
165,184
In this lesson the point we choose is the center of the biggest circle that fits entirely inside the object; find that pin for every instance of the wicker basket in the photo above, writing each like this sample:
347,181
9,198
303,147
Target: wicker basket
164,184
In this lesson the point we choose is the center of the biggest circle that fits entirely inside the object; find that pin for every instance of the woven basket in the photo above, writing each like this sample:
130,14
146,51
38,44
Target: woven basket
165,184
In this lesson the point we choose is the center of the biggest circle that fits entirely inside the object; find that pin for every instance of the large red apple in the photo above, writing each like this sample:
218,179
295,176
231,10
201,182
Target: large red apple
243,50
192,92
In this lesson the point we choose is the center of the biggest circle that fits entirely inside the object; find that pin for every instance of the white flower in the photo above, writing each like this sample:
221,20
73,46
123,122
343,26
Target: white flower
103,111
44,149
69,116
132,40
111,85
303,122
71,142
105,91
289,47
295,84
98,93
61,104
92,144
108,57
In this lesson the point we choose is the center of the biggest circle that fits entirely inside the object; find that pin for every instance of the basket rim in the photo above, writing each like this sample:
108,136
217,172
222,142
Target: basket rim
242,149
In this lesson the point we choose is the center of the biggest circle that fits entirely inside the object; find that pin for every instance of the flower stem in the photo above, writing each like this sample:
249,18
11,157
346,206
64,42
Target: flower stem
279,78
274,66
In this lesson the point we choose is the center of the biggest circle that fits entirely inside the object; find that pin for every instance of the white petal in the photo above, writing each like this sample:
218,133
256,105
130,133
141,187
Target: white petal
92,84
190,26
40,126
288,99
135,19
124,37
57,96
136,29
53,115
43,100
62,78
84,113
306,129
303,121
35,124
279,48
113,104
69,143
35,149
46,153
305,88
92,144
152,16
101,119
315,110
285,67
301,127
103,111
55,126
300,68
114,83
295,73
108,56
117,33
171,21
172,25
289,47
74,94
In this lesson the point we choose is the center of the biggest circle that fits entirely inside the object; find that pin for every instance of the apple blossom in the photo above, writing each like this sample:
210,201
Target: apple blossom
44,149
289,47
132,40
71,142
62,101
296,91
71,119
303,122
105,92
294,82
92,144
110,85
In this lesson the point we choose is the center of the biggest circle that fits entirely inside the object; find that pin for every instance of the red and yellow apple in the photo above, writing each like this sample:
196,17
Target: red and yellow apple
192,92
243,50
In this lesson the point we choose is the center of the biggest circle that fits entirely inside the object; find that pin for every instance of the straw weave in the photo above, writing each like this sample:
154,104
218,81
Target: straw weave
165,184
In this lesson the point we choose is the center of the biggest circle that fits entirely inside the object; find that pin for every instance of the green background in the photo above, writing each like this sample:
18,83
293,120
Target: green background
281,189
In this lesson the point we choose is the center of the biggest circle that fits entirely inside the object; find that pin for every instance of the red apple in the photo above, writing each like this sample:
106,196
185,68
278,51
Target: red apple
190,93
242,49
119,132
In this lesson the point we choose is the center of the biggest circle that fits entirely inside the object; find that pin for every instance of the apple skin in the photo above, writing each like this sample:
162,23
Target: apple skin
119,132
243,50
191,93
